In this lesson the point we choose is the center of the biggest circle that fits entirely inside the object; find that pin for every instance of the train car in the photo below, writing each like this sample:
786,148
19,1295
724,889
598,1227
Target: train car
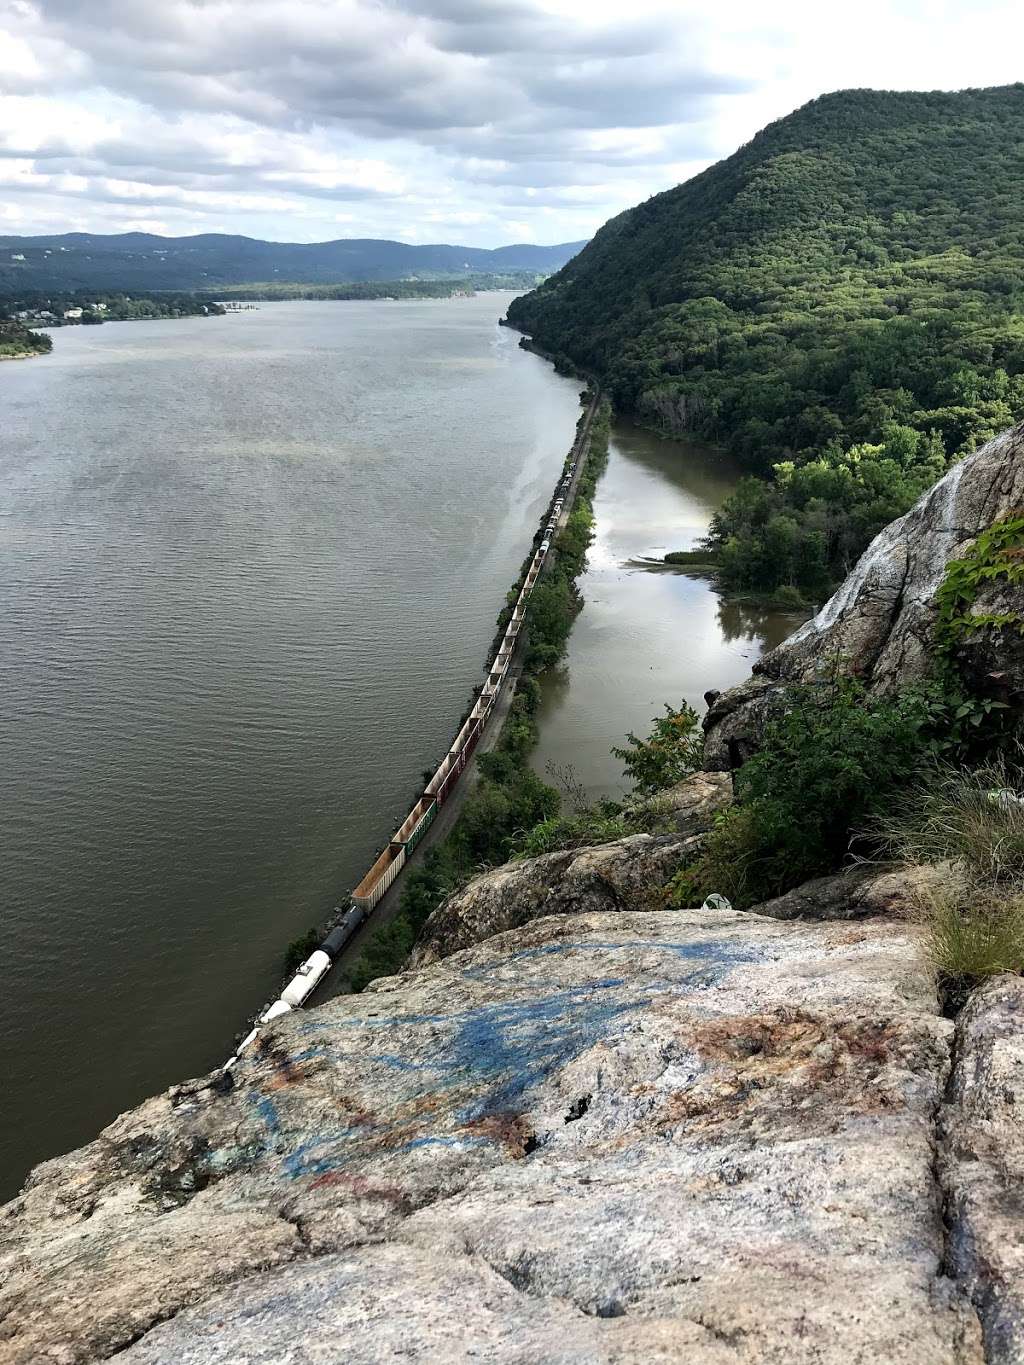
306,979
380,876
339,936
389,864
416,824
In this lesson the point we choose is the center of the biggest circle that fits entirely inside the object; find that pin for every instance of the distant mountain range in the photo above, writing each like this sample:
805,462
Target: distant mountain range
136,260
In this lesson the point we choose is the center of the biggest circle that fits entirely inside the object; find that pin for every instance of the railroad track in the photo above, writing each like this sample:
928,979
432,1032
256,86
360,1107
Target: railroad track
382,875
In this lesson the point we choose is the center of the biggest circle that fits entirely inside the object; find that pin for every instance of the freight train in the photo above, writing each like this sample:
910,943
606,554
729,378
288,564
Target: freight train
389,864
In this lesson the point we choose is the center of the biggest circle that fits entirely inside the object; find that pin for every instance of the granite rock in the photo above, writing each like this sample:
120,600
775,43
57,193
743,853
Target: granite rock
599,1137
626,874
879,625
982,1162
690,805
858,892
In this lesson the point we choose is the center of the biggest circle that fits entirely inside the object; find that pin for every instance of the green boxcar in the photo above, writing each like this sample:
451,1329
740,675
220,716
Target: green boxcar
421,828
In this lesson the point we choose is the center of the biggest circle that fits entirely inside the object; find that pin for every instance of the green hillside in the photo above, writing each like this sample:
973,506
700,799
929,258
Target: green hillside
845,294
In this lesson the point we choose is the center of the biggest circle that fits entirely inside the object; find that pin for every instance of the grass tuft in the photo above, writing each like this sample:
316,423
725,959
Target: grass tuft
971,817
971,823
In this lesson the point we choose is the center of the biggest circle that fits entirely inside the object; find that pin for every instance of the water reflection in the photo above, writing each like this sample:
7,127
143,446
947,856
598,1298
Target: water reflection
765,626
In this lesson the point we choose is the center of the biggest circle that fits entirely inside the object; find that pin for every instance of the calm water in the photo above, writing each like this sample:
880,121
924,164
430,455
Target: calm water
249,569
647,634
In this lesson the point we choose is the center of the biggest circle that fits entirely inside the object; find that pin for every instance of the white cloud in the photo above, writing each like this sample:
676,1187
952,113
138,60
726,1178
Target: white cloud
479,119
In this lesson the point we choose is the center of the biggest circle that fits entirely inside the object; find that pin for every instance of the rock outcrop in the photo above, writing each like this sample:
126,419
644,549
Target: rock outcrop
880,624
981,1162
627,874
691,805
585,1129
858,893
602,1137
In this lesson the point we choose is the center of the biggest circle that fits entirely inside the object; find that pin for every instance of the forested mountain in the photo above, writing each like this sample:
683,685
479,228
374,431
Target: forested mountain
842,297
136,260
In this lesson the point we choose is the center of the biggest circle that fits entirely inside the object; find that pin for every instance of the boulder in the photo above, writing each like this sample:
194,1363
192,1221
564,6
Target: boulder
879,626
626,874
600,1137
690,805
856,893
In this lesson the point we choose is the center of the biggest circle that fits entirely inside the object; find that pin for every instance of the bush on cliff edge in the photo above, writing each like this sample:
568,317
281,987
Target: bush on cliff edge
971,822
829,762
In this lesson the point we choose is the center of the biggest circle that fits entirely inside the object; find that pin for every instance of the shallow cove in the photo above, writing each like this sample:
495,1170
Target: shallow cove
647,634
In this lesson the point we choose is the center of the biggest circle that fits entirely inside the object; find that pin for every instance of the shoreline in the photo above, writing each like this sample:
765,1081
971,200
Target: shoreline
362,917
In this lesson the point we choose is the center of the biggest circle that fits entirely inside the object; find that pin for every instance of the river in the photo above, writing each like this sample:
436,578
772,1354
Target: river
648,634
249,570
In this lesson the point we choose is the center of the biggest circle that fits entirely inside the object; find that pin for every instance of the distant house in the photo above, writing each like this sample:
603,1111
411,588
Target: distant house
72,314
98,307
17,255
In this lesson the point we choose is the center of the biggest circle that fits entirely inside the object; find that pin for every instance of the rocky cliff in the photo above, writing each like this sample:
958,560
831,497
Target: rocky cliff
881,623
620,1136
586,1129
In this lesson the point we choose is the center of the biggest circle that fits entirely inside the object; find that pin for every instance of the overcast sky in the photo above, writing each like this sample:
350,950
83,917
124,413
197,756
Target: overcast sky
472,121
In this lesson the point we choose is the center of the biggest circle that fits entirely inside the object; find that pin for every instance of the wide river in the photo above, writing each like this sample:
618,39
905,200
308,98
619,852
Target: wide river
249,569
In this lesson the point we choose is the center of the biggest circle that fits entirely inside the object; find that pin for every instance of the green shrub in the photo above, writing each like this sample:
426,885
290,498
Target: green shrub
829,761
580,831
974,933
671,751
967,817
300,948
702,557
998,553
970,822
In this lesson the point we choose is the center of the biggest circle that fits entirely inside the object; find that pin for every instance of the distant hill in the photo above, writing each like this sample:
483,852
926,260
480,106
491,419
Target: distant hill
857,262
137,260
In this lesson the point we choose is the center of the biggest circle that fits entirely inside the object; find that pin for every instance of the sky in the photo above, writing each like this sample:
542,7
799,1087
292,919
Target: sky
481,122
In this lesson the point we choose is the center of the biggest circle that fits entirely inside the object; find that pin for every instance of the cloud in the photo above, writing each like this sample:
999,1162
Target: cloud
461,118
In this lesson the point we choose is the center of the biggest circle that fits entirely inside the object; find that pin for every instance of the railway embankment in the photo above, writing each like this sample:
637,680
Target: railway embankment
501,796
484,799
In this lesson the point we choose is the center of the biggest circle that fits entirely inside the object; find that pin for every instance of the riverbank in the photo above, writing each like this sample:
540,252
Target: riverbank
18,342
446,287
508,798
785,598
